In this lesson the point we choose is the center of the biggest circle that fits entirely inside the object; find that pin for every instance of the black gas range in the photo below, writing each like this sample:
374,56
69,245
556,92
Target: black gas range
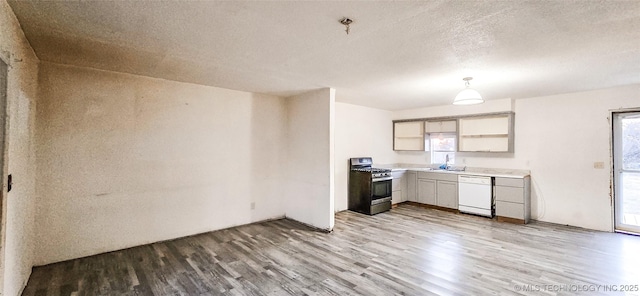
369,188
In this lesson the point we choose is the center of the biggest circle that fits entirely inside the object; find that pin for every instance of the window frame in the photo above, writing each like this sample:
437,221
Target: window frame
429,146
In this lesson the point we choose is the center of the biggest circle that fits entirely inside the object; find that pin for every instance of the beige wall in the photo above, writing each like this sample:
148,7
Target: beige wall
561,137
310,157
125,160
360,131
19,203
558,138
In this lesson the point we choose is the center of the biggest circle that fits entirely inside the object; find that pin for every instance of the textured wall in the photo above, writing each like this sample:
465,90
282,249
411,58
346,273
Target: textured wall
310,157
126,160
560,137
19,204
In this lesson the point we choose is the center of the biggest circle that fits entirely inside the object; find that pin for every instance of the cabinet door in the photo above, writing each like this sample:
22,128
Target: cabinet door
398,180
447,194
427,191
412,186
404,187
396,197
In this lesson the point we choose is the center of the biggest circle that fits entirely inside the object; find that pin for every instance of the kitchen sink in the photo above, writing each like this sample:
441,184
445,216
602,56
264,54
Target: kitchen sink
456,168
449,169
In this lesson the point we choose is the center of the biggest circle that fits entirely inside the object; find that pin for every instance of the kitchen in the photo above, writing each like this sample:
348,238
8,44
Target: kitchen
129,124
565,188
458,188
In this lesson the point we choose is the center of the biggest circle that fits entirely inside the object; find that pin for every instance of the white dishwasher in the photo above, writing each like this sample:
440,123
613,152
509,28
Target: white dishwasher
475,195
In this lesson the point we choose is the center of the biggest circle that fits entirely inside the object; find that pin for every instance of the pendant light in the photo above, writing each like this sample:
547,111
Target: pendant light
468,96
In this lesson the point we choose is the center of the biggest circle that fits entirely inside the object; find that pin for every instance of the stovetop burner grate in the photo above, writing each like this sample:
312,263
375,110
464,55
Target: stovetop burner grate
372,170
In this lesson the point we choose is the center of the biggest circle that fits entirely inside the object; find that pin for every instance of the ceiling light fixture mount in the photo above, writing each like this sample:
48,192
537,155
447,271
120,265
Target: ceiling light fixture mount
346,22
468,96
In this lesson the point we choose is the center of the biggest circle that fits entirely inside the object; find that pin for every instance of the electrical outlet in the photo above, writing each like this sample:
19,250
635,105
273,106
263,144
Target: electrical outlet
253,205
598,165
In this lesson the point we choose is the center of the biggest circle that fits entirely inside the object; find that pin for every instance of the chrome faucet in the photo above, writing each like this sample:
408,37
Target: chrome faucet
446,162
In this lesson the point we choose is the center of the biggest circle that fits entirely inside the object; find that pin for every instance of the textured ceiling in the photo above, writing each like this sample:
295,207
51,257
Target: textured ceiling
398,55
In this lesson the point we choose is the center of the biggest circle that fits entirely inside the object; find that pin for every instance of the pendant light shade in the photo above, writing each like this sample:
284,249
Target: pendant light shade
468,96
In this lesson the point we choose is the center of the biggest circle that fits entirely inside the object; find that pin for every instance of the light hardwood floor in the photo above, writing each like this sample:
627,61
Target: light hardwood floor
407,251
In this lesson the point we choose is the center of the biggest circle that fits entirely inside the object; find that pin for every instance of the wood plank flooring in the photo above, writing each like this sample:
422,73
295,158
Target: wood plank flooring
406,251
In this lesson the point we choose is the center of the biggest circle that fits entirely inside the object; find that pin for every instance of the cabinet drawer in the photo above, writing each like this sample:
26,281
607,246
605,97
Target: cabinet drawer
510,209
510,194
438,176
425,175
397,174
511,182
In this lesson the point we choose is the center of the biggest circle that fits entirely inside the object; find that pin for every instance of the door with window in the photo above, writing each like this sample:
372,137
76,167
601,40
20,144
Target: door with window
626,166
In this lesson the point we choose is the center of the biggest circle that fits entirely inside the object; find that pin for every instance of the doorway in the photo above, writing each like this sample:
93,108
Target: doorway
626,171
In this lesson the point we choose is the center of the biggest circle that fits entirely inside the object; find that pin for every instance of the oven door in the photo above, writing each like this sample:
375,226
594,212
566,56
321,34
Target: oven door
380,190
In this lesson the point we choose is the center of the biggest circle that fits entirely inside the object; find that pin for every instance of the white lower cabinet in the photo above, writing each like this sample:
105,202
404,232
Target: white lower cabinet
427,191
412,186
513,195
447,194
513,199
398,187
438,189
396,197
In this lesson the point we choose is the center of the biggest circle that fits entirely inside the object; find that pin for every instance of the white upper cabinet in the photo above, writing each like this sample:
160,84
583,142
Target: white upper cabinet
491,133
409,129
408,136
446,126
484,126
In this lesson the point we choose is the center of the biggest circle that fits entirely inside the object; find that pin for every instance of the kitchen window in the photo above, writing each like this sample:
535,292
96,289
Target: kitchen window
440,145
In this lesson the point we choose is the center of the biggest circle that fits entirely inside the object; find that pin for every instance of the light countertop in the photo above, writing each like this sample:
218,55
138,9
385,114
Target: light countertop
475,171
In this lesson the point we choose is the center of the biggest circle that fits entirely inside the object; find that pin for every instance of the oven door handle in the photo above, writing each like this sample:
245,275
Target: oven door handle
381,179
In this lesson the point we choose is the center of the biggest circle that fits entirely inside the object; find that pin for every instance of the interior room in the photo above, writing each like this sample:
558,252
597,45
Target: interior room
319,147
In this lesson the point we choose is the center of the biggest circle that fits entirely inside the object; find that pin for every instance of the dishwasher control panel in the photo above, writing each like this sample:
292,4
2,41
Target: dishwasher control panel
474,179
